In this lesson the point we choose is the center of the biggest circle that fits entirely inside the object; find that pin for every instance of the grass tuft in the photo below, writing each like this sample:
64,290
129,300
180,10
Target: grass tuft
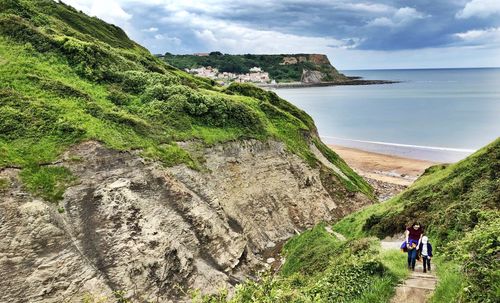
450,283
47,182
4,184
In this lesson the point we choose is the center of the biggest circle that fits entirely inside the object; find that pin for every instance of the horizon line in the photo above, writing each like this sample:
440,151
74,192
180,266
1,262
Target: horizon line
420,68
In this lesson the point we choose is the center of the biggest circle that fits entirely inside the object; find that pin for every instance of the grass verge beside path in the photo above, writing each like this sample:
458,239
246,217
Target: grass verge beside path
382,290
321,268
450,282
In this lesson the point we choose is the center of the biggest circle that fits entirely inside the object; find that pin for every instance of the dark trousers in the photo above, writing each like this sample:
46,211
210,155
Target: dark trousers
412,258
427,263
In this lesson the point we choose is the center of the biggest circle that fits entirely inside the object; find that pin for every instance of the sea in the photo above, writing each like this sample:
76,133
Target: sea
440,115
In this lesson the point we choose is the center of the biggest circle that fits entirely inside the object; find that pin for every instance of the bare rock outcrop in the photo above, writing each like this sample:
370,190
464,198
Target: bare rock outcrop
152,232
312,76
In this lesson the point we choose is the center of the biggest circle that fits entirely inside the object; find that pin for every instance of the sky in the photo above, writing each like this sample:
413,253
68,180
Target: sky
354,34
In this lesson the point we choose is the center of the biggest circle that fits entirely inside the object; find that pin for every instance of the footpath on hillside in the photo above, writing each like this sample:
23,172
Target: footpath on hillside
418,287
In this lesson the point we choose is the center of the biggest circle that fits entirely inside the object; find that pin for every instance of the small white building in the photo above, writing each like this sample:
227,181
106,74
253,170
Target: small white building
207,72
256,75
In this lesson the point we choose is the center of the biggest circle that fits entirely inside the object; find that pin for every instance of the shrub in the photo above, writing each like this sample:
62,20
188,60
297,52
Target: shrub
151,83
22,117
16,8
247,89
479,253
126,119
21,31
88,59
155,78
244,116
250,90
120,116
346,278
170,114
134,81
59,88
68,132
156,92
372,221
117,96
10,128
218,111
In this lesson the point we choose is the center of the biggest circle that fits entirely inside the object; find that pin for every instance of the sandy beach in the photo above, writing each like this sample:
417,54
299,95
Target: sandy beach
388,174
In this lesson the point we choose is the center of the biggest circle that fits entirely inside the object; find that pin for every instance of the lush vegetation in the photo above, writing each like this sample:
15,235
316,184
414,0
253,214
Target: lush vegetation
269,104
322,268
241,64
459,206
66,77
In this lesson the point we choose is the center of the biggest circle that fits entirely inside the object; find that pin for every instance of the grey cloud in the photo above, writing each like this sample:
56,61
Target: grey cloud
385,25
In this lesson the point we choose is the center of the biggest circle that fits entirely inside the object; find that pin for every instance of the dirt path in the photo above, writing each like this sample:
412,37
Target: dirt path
418,287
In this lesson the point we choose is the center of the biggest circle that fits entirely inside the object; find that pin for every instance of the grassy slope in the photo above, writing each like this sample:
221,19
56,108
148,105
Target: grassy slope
243,63
459,205
66,77
321,268
462,198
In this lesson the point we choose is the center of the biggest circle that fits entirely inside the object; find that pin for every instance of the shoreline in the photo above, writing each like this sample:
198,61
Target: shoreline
353,81
388,174
414,152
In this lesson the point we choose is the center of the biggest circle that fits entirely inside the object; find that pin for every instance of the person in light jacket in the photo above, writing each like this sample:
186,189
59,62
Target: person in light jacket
426,252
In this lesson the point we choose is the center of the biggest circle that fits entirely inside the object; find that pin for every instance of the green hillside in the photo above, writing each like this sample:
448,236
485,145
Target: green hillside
322,268
66,77
459,207
273,64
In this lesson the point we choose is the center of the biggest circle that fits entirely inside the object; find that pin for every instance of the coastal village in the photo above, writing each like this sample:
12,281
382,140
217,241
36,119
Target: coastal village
255,75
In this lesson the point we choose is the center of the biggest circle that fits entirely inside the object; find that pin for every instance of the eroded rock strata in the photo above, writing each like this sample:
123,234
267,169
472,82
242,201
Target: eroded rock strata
154,232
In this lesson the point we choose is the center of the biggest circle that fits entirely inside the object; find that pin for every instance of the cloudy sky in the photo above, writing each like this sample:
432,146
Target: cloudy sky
354,34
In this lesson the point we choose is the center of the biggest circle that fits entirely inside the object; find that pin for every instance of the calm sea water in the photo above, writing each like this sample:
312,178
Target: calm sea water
433,114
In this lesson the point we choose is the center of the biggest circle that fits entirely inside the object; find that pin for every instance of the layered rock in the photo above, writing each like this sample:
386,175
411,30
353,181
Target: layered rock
152,232
312,76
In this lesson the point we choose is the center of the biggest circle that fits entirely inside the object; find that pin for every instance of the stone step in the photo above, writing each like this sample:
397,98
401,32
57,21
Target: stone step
423,276
420,283
405,294
416,287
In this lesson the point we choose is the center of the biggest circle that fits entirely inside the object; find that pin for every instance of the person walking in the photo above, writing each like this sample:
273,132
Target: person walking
413,237
426,252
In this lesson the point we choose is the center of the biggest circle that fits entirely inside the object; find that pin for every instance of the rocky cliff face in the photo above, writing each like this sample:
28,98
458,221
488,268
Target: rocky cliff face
153,232
312,76
323,71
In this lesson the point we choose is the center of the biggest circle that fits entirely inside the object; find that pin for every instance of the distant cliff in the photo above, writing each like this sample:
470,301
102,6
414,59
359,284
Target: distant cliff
307,68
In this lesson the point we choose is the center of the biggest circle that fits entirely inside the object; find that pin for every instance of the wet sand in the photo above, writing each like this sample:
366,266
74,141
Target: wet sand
388,174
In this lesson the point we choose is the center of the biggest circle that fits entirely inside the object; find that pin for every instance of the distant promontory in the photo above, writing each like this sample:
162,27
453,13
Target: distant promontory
284,70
